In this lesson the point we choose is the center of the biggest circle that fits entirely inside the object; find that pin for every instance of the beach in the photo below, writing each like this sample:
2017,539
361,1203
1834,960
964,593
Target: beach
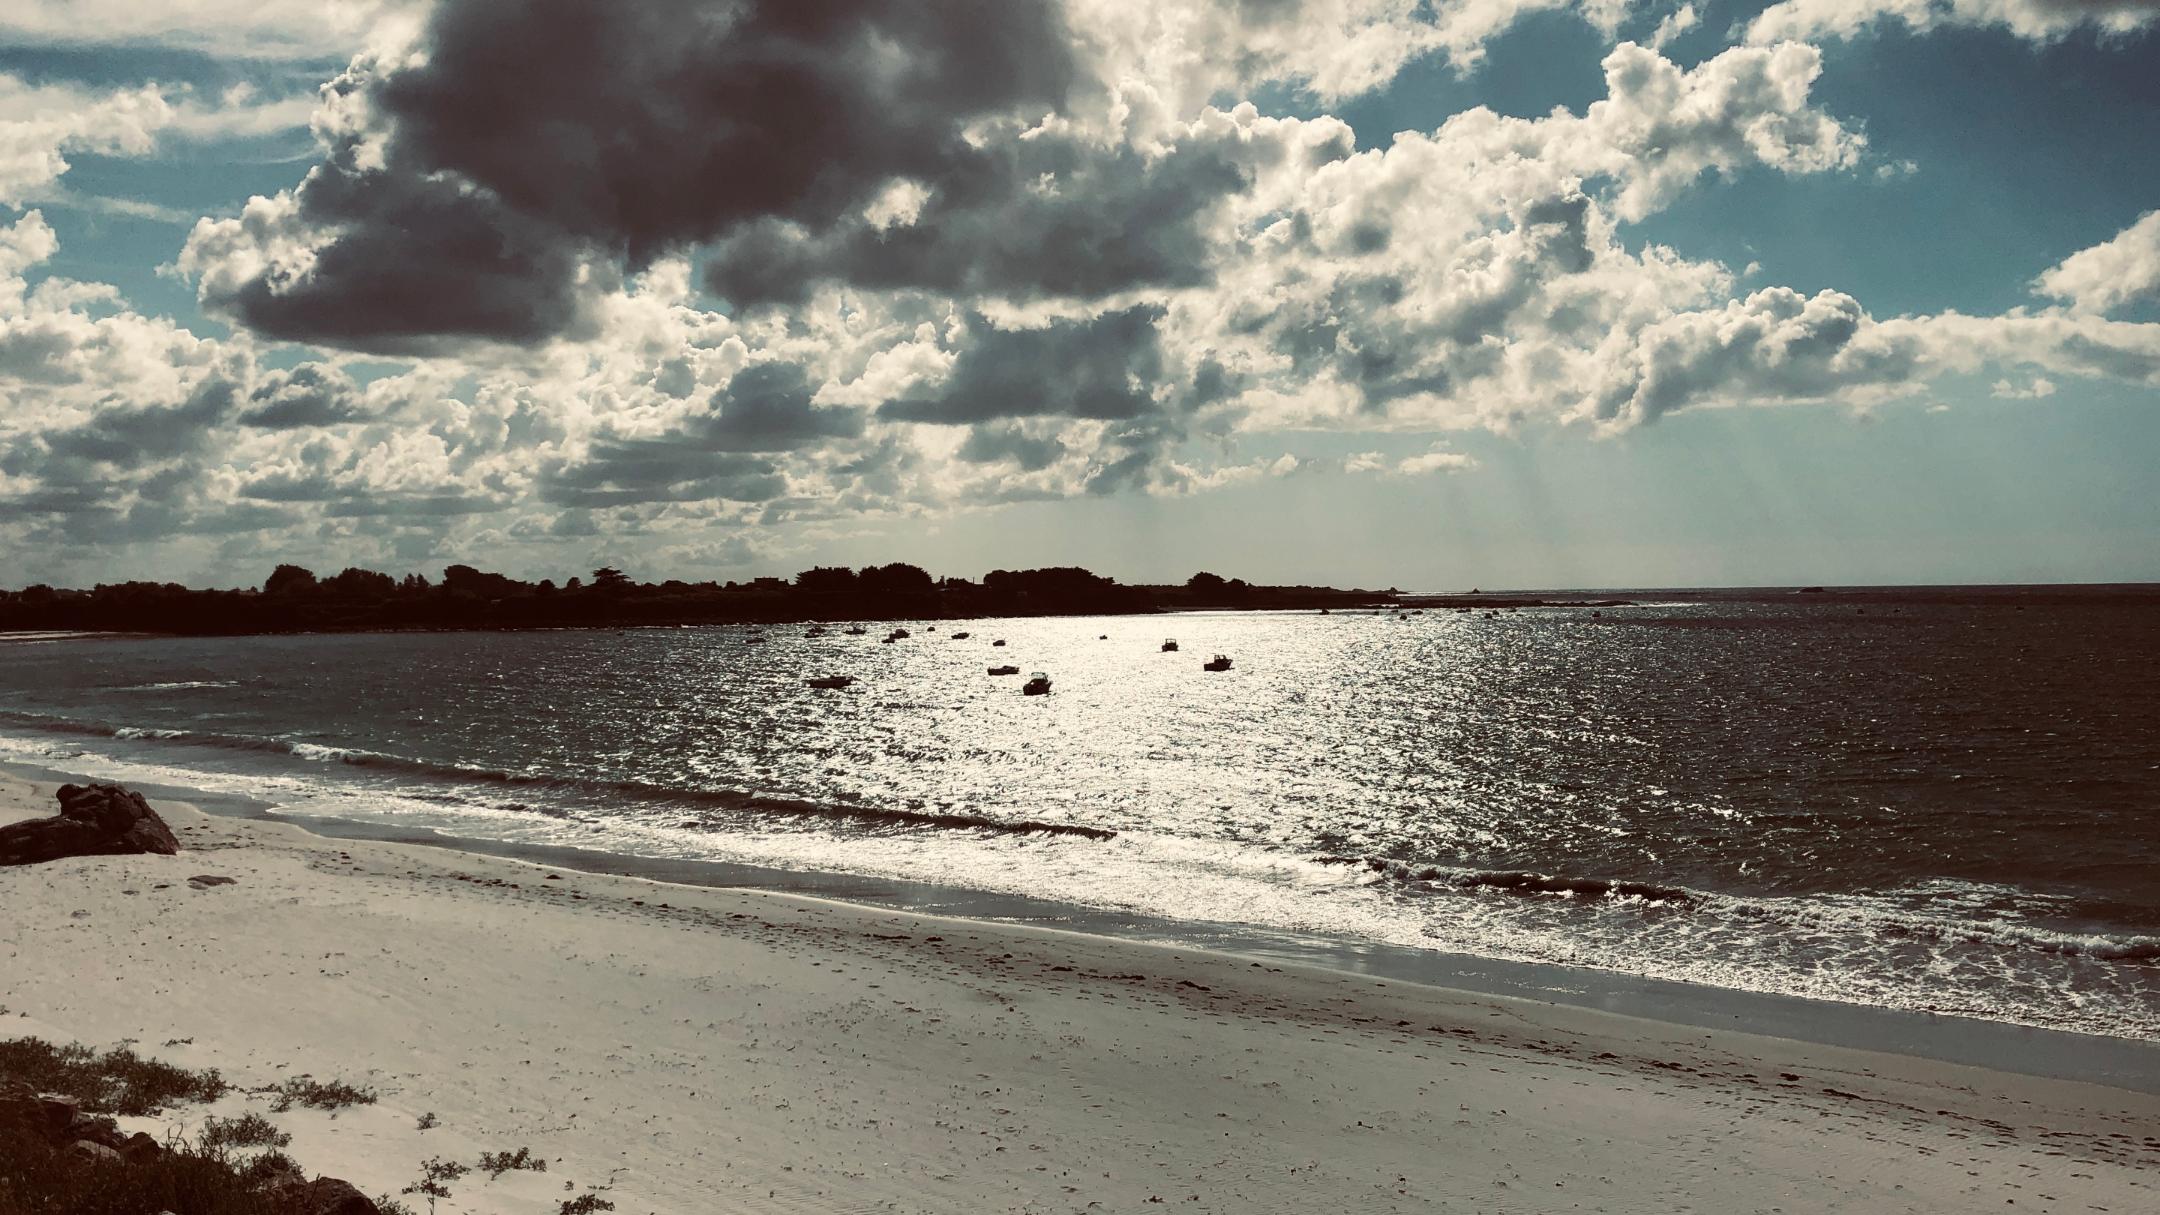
685,1049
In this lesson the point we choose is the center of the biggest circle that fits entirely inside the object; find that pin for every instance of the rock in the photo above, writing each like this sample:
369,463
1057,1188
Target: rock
204,881
140,1148
94,820
19,1106
60,1112
92,1128
96,1152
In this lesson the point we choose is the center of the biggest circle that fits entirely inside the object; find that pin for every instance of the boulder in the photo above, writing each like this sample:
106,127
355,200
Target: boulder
97,1153
60,1112
94,1128
140,1148
322,1196
94,820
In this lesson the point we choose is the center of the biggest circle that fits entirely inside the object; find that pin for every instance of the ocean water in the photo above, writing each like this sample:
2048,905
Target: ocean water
1931,800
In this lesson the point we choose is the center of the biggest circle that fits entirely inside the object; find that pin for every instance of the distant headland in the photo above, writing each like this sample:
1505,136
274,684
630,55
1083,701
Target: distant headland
294,599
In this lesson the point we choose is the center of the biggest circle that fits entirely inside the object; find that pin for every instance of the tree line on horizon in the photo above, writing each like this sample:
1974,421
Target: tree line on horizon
294,598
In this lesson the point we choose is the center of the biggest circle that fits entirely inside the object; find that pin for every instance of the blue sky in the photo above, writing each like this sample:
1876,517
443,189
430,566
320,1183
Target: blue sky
1645,406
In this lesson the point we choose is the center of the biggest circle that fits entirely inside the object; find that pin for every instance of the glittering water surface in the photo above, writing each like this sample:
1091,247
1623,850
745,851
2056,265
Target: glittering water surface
1946,805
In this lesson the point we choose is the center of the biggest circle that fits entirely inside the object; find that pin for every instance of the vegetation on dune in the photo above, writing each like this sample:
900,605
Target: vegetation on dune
118,1081
316,1094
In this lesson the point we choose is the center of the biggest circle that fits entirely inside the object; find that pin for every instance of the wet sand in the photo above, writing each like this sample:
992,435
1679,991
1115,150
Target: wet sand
689,1049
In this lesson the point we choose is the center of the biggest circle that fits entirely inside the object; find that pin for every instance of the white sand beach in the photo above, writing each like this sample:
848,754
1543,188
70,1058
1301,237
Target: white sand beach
685,1049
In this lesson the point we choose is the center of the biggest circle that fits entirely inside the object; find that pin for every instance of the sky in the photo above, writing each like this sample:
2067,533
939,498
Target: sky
1500,293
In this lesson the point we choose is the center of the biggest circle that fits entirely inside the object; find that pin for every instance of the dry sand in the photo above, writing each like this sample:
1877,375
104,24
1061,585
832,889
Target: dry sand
691,1050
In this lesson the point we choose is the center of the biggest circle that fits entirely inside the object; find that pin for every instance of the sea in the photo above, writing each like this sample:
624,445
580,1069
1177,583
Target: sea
1940,799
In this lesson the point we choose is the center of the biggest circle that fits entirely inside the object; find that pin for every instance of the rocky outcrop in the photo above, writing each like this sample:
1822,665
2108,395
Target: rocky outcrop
96,1142
60,1121
94,820
322,1196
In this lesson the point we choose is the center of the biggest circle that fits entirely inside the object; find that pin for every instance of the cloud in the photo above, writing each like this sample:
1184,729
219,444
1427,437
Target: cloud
990,444
475,186
255,29
41,125
1102,367
2037,20
1674,24
1774,346
2039,388
308,395
1436,460
2114,274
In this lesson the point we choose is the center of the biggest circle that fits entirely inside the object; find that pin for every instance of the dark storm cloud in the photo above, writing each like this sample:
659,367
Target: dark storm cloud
1101,367
308,395
417,263
1114,220
651,123
537,139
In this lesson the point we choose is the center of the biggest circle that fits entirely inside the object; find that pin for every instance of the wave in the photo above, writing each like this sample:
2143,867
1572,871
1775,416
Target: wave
1518,882
1799,914
178,685
1892,923
584,787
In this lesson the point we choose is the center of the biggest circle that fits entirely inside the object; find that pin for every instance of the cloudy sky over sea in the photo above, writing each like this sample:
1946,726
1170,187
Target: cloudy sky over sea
1515,292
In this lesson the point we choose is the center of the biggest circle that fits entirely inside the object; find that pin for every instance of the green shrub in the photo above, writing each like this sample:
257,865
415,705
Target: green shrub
315,1094
248,1130
495,1164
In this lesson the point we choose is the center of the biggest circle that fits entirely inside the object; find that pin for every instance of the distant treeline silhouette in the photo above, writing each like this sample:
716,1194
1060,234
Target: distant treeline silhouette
294,599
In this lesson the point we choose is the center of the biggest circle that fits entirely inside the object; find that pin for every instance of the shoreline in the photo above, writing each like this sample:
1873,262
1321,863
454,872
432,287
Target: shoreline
685,1048
2122,1062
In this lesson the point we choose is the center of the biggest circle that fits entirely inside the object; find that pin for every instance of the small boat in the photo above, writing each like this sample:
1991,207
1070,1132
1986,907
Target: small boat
1038,684
1169,645
1007,670
999,641
754,639
815,631
898,635
1102,636
856,630
1221,662
961,636
1325,612
830,681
